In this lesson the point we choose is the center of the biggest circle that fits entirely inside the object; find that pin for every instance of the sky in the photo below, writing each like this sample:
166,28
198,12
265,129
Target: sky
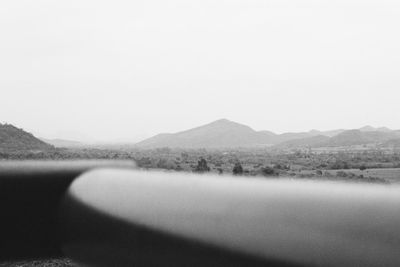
95,70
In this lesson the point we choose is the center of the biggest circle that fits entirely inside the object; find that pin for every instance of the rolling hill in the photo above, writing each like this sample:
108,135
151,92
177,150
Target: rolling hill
15,139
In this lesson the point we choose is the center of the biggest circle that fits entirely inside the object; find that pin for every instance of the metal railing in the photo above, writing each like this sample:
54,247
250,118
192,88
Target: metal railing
114,216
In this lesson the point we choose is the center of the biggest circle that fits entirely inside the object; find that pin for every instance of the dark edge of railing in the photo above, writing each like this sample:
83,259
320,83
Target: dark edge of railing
30,192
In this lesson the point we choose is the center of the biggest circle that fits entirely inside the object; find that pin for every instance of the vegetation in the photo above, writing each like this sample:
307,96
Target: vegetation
237,169
202,166
343,165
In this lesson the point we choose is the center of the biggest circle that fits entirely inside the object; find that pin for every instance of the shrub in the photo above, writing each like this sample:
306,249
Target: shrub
268,171
237,169
202,166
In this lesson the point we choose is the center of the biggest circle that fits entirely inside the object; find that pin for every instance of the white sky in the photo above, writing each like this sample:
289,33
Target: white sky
125,70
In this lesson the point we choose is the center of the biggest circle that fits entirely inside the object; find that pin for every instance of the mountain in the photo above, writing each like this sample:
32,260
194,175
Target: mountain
304,136
285,137
332,132
345,138
359,137
228,134
62,142
16,139
218,134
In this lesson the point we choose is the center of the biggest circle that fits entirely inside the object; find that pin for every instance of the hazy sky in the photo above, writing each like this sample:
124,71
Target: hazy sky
125,70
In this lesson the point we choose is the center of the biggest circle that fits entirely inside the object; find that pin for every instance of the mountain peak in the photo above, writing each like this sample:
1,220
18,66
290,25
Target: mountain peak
223,122
225,125
221,133
367,128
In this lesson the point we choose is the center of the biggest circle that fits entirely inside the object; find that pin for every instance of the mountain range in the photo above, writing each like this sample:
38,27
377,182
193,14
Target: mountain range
228,134
221,134
346,139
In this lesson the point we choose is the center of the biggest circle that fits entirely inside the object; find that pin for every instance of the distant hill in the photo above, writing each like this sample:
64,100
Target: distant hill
327,133
228,134
285,137
369,128
359,137
345,138
16,139
62,143
218,134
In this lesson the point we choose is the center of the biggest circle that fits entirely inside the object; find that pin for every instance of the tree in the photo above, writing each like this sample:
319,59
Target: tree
237,169
363,167
341,174
202,166
268,171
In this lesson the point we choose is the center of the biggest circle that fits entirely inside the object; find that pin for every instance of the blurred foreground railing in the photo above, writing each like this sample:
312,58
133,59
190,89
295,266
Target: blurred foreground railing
113,216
